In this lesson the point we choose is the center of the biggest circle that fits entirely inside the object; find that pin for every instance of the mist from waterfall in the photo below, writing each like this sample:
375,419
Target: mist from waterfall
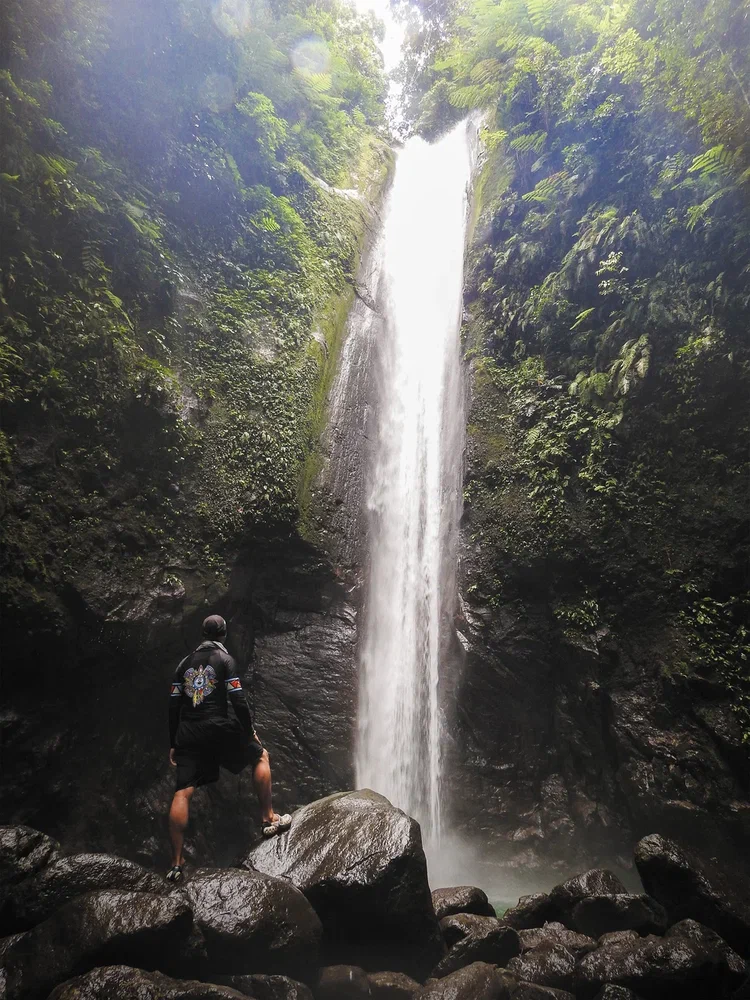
414,490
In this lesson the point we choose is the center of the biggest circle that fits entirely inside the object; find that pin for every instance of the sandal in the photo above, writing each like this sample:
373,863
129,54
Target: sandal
174,874
279,825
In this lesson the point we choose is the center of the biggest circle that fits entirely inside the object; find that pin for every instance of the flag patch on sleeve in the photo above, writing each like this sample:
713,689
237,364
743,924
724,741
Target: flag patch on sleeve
233,684
176,690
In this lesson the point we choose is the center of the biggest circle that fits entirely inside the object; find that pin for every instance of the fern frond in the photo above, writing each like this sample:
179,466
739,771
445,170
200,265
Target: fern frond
540,13
717,160
486,71
582,317
531,142
476,96
547,189
697,213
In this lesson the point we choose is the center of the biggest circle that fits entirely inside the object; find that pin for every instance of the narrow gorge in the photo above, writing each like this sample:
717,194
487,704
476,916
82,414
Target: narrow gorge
451,427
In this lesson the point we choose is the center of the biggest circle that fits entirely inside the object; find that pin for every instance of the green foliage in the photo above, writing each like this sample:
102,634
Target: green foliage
170,247
719,636
609,284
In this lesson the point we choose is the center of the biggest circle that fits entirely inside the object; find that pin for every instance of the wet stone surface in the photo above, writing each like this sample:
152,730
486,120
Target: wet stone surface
361,864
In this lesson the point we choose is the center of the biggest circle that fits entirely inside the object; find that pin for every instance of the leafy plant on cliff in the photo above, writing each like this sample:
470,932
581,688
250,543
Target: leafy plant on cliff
615,265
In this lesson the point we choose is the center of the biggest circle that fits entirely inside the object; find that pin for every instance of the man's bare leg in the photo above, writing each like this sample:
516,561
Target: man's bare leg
262,785
178,821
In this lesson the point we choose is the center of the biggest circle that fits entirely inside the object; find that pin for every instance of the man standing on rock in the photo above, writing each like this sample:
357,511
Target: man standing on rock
204,738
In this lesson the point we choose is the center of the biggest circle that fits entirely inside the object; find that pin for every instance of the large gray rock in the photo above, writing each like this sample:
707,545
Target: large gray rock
393,986
471,938
595,882
657,969
262,987
478,981
136,928
342,982
710,939
254,923
461,899
34,899
548,965
532,911
687,889
120,982
23,851
556,933
361,864
597,915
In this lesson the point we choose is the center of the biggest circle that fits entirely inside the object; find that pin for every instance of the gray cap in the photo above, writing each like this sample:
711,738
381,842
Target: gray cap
214,626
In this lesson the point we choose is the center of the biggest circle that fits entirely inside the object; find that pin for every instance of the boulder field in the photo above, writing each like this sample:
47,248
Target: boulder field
340,907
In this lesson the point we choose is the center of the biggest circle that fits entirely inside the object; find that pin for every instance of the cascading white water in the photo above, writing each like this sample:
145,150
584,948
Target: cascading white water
415,480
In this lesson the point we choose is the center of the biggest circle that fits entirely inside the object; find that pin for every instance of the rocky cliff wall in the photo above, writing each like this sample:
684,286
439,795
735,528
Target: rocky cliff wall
598,684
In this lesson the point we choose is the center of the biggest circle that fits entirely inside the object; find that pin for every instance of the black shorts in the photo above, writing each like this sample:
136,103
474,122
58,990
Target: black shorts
201,748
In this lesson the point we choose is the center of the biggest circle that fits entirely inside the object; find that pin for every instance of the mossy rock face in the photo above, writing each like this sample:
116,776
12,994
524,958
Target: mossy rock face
185,223
605,614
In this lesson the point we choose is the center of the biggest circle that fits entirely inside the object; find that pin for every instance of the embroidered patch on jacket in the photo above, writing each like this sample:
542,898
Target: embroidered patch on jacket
199,683
233,684
176,691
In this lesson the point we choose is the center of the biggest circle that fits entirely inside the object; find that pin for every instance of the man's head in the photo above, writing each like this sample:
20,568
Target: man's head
214,627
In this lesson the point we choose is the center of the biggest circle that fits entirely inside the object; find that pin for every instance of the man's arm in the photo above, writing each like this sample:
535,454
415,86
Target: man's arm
236,695
175,704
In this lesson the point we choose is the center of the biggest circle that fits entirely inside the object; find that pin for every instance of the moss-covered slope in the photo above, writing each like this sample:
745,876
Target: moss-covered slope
176,264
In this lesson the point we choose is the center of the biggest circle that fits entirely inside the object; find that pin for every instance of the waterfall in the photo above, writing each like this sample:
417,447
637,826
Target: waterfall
414,485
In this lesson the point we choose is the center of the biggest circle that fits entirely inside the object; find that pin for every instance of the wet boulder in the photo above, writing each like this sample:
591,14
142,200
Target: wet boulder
532,911
461,899
120,982
595,882
618,936
656,969
342,982
471,938
597,915
478,981
361,864
6,944
688,890
34,899
393,986
108,927
533,991
710,939
556,933
23,851
547,965
262,987
254,923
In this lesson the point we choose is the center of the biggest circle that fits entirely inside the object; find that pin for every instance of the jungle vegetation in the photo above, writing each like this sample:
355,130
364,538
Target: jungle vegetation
174,271
609,292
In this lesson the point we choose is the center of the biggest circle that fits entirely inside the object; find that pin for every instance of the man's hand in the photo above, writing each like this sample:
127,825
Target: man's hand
172,761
